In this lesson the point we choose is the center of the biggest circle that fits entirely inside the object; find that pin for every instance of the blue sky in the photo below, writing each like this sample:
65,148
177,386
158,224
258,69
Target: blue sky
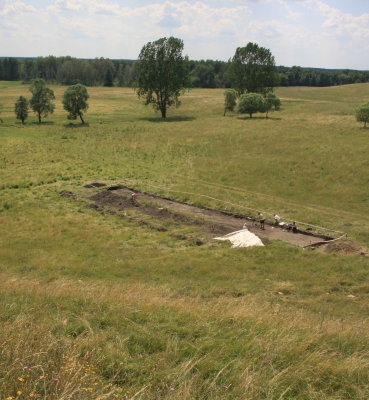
308,33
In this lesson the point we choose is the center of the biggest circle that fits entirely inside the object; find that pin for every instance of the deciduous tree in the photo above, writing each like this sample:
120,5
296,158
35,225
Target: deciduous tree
21,109
75,101
252,70
230,96
163,73
362,113
41,100
251,103
271,100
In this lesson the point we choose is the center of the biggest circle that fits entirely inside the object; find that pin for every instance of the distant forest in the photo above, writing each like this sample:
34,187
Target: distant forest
205,74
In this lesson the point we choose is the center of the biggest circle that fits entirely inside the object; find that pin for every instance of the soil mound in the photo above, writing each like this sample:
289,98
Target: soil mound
67,193
344,248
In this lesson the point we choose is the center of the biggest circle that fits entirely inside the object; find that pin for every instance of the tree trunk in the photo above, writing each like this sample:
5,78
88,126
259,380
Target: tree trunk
164,113
80,115
250,115
39,117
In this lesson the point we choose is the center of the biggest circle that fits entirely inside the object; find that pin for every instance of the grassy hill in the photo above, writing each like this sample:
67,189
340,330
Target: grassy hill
95,305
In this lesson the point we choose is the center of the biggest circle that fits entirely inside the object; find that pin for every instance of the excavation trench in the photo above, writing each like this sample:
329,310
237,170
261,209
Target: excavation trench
209,221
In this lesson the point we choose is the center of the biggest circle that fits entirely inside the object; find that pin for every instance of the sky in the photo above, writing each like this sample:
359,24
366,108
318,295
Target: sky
307,33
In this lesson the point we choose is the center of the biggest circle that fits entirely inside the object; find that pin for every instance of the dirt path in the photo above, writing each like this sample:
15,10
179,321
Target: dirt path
211,221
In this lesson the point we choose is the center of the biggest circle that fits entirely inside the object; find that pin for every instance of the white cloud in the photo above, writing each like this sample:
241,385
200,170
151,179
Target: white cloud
343,26
9,8
66,5
103,7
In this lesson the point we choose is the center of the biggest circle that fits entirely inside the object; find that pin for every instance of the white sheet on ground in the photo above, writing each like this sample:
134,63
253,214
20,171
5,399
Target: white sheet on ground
242,238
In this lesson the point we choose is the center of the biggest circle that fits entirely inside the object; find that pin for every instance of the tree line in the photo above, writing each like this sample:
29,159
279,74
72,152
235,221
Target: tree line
297,76
69,71
123,73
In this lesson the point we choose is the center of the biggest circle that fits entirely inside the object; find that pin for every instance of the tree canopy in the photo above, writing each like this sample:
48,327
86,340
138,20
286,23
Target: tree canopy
252,70
75,101
251,103
362,113
21,109
41,100
162,73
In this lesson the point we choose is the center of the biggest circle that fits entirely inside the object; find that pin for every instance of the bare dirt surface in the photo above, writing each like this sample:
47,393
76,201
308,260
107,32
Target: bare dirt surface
344,248
214,222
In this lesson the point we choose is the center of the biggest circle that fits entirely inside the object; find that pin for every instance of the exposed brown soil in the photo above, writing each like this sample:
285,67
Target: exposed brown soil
209,221
122,202
94,185
345,247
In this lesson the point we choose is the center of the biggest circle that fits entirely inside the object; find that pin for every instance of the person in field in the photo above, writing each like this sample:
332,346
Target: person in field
293,227
261,220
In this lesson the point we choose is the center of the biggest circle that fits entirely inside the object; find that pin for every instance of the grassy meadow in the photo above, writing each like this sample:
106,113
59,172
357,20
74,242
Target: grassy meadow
94,306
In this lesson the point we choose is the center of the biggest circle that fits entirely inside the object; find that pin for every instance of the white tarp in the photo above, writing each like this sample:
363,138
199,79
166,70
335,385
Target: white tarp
242,238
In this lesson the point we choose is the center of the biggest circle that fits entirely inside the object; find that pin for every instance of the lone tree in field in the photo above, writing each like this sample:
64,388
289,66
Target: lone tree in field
163,74
271,100
230,96
362,113
41,100
75,101
252,70
21,109
251,103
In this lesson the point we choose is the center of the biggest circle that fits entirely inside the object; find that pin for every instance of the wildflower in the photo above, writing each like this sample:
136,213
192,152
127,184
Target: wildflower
9,398
171,389
116,395
31,394
42,377
25,367
20,379
19,393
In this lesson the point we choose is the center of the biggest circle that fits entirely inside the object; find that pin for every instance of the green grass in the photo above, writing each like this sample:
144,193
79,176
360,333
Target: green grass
99,304
7,84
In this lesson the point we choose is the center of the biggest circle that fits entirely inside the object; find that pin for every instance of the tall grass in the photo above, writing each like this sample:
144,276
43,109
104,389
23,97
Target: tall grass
158,345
